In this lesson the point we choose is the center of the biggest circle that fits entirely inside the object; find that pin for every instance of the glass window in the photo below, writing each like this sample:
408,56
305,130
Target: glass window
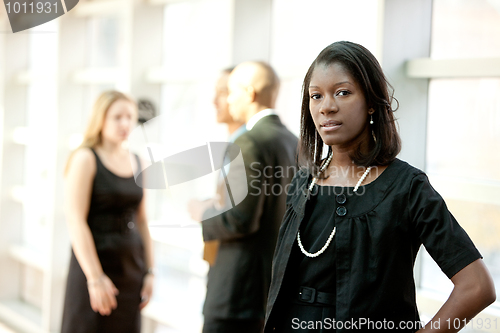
197,37
105,38
41,139
463,131
465,29
107,49
301,29
197,46
197,41
463,140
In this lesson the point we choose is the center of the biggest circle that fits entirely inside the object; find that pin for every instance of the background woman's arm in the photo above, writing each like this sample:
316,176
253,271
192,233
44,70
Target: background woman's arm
473,291
142,225
78,190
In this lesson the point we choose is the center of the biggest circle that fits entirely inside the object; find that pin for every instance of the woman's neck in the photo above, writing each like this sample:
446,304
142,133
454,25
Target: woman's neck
342,154
341,158
111,148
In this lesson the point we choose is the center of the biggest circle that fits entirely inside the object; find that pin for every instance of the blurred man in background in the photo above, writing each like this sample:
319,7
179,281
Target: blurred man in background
235,129
238,282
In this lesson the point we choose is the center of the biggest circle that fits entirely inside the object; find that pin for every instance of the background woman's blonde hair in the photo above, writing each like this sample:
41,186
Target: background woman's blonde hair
92,136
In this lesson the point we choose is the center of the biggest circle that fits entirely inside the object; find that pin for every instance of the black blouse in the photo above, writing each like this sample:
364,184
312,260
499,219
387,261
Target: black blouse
379,232
316,227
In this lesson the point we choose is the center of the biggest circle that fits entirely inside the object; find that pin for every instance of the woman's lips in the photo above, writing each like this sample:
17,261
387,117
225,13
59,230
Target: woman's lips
331,125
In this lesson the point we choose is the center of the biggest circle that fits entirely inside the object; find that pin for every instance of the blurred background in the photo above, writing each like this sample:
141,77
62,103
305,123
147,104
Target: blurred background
442,58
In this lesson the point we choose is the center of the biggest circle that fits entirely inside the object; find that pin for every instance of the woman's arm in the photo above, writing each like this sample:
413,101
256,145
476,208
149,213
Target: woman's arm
78,190
473,291
142,226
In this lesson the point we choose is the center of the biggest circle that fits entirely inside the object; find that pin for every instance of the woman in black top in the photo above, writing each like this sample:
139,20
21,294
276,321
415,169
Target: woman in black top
355,220
110,275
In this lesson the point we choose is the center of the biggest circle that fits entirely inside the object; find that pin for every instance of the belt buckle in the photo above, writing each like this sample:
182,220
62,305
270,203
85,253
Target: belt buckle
307,294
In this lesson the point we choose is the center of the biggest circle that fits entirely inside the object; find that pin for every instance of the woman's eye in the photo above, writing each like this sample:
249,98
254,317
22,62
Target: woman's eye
343,93
315,96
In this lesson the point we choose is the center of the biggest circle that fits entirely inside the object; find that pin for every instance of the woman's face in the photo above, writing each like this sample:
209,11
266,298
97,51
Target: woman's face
119,121
338,106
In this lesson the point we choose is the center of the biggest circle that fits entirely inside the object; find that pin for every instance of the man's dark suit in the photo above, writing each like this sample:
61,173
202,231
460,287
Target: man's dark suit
238,282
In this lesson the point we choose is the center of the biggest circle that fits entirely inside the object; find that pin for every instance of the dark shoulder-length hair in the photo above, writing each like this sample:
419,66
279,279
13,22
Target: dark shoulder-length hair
365,69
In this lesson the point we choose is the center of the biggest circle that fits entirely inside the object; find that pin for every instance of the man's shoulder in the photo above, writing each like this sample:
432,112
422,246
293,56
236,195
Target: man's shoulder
245,138
270,129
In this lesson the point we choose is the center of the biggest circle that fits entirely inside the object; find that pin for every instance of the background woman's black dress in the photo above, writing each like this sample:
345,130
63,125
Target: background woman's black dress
112,221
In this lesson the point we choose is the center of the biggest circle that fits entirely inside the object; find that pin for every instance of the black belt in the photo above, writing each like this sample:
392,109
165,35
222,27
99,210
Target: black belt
311,295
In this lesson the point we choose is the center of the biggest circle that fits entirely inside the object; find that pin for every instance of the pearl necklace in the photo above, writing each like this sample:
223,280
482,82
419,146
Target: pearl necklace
313,182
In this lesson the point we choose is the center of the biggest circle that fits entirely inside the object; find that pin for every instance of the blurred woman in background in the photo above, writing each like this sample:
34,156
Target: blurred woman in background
110,277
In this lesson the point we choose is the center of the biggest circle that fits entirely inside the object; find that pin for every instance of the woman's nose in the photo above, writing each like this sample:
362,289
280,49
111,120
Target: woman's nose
126,123
328,105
